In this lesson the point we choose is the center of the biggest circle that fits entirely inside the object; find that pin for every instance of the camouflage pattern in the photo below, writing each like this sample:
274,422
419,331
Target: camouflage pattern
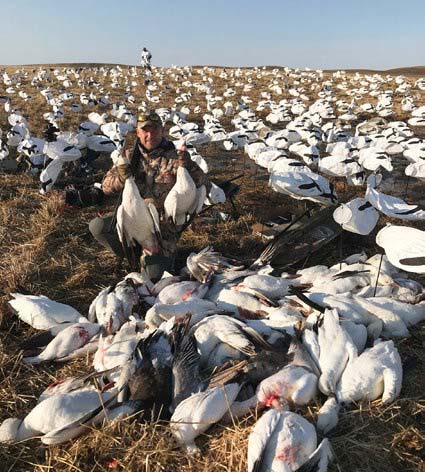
155,174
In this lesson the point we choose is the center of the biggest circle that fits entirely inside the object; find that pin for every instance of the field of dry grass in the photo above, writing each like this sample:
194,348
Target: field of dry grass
45,248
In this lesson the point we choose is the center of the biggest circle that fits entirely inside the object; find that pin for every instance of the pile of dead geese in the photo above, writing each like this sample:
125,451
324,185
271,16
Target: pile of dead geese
220,340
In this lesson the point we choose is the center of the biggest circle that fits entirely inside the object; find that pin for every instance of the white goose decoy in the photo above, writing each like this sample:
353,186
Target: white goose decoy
304,185
389,205
201,410
68,343
284,442
182,199
100,143
49,417
416,169
42,313
404,247
216,195
339,165
375,159
377,372
415,151
62,150
50,174
357,216
285,164
137,222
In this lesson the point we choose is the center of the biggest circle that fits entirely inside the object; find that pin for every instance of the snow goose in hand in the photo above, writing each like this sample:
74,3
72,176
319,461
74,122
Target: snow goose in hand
285,441
389,205
182,200
404,247
357,216
137,222
42,313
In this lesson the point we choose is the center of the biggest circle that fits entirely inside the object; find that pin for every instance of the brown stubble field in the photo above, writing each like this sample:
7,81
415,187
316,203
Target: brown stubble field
45,248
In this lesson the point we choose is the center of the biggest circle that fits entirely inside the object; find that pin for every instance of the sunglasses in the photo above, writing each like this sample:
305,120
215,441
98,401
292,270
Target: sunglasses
150,117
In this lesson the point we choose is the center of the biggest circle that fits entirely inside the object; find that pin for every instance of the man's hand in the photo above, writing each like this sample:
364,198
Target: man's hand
124,168
182,156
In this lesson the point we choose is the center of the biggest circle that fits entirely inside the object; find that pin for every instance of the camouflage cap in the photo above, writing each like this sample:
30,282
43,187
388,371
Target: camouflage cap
148,118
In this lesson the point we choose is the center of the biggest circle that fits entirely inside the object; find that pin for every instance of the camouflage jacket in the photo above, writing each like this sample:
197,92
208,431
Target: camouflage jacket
155,173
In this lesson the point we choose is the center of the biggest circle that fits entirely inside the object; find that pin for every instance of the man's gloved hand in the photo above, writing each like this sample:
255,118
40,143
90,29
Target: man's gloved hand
124,168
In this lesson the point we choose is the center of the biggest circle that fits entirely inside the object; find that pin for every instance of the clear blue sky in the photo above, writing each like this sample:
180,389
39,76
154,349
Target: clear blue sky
377,34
